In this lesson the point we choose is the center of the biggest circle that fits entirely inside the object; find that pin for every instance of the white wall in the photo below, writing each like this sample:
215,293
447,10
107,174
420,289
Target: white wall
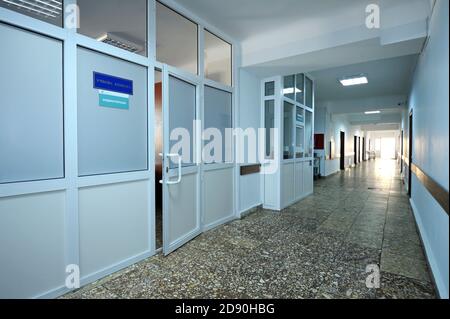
332,125
249,117
429,100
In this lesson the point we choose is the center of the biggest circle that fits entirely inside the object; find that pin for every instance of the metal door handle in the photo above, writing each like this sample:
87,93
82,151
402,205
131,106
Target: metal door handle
162,155
178,181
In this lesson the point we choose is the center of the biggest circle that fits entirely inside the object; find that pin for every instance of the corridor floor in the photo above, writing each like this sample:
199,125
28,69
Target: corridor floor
318,248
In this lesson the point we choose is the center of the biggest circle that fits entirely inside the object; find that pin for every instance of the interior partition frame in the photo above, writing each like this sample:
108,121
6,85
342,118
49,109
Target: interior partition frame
71,183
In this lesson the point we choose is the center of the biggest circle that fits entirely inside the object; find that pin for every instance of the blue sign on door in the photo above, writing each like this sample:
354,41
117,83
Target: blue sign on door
112,83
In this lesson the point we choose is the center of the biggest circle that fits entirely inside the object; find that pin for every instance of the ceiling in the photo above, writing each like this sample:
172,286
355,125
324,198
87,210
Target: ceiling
243,19
386,77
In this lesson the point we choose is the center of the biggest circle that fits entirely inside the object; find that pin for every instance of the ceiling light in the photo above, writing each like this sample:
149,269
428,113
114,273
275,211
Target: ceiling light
372,112
354,80
49,8
291,91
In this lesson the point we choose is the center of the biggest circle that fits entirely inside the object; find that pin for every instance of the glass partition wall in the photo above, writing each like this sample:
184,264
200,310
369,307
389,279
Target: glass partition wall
298,106
102,72
288,103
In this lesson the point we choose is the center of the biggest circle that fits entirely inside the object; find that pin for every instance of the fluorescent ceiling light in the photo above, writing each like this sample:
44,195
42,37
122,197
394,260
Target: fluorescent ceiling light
291,91
49,8
372,112
354,80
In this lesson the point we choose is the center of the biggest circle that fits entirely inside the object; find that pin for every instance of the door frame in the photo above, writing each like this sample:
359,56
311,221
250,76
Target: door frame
168,173
364,149
410,153
401,152
359,149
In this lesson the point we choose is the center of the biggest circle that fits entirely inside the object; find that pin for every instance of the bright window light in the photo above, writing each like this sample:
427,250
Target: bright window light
372,112
355,80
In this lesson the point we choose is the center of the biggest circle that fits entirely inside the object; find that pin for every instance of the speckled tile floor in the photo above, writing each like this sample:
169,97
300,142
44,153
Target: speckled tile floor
318,248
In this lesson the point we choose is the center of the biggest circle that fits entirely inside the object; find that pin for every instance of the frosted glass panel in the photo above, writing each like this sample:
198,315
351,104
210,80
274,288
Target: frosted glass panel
269,119
110,139
217,59
181,117
308,134
218,114
120,23
31,109
176,39
288,147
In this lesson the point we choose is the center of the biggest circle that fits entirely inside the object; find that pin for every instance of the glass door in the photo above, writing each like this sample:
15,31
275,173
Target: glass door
181,176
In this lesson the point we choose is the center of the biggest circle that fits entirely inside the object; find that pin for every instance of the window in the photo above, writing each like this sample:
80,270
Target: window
176,39
50,11
217,59
112,122
288,87
269,121
288,136
122,24
299,88
309,92
218,115
308,134
269,88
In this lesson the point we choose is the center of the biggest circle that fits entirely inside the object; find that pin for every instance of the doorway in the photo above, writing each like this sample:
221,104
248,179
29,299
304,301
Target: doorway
355,148
342,151
158,159
410,153
364,149
401,152
359,149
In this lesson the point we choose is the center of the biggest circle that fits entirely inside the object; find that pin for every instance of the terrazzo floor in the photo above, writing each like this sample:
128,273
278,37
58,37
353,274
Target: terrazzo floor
318,248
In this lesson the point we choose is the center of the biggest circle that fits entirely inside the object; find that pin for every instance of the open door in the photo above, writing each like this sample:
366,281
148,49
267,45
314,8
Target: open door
181,174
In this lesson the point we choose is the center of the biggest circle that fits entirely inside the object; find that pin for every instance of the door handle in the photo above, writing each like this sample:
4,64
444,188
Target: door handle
178,181
162,156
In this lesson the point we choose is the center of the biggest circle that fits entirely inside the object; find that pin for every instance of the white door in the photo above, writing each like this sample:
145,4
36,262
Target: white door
181,174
